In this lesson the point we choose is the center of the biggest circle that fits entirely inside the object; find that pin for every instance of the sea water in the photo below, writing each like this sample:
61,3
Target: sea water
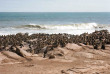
53,22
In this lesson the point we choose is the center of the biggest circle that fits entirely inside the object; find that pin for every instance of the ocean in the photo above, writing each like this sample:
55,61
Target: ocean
53,22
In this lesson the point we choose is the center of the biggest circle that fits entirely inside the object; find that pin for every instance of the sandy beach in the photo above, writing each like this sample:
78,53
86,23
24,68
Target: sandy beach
55,54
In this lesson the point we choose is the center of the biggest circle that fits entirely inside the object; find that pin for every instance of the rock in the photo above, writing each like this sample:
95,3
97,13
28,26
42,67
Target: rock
85,46
11,55
34,55
51,56
102,54
73,47
62,71
89,46
81,44
23,53
58,53
84,54
62,50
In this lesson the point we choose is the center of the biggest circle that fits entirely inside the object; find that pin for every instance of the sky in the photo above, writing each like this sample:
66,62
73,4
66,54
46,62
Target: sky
54,5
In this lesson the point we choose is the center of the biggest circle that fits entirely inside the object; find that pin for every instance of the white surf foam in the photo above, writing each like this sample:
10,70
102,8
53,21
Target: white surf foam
61,27
75,29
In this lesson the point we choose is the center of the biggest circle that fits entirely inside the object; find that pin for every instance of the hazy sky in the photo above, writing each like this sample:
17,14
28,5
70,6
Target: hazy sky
54,5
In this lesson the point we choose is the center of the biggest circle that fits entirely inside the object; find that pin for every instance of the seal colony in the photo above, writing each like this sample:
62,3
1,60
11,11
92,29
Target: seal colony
42,43
91,50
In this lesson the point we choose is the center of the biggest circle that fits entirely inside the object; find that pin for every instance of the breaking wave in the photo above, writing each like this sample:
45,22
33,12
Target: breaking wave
75,29
61,27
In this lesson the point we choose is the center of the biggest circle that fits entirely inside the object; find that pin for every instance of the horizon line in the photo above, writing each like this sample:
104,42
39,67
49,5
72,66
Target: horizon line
56,12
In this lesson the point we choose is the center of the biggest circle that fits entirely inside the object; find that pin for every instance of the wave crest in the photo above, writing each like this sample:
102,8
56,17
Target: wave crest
61,27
